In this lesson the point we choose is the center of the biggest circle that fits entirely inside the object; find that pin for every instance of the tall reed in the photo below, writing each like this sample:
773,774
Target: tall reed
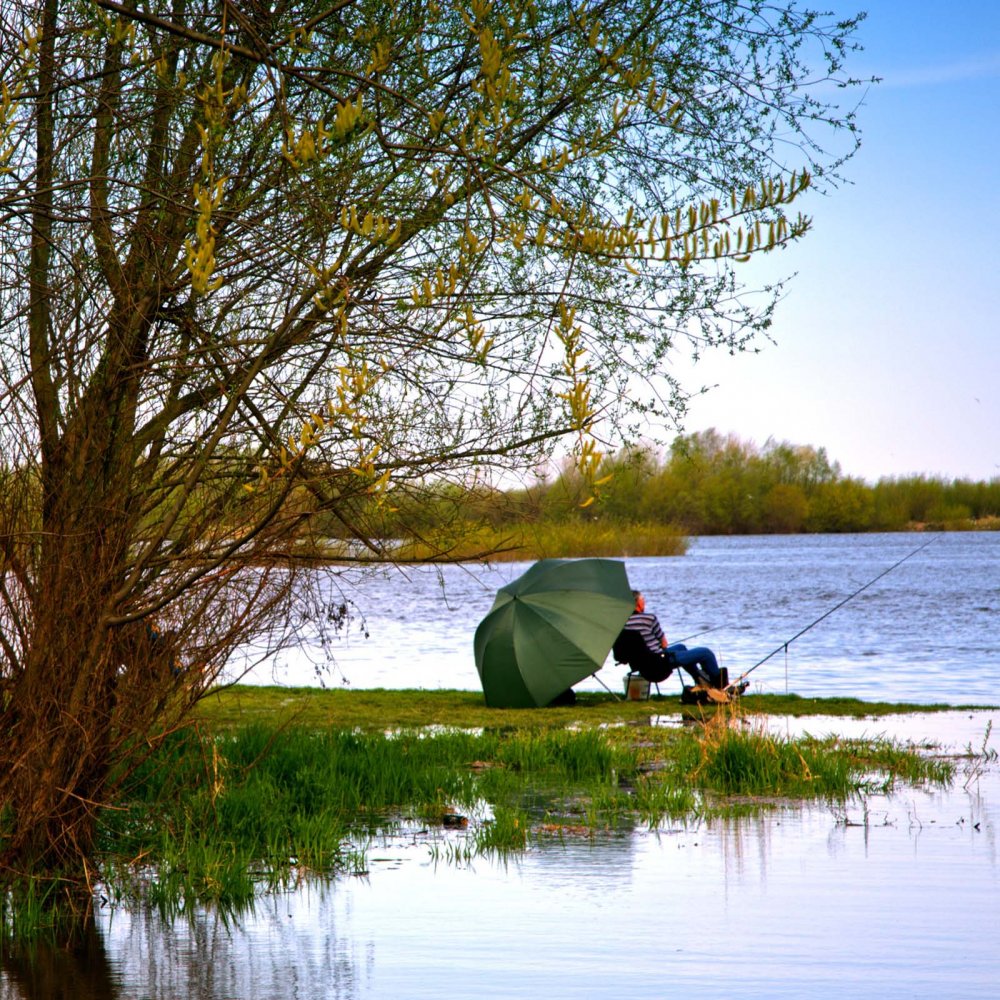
748,760
548,539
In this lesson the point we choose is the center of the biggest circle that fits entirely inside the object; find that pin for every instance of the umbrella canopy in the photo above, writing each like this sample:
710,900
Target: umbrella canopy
551,627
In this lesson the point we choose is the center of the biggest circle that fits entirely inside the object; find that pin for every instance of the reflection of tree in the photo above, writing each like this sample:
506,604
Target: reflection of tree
288,946
75,966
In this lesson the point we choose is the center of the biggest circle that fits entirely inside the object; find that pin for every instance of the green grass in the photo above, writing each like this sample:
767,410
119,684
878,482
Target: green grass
34,911
752,762
383,710
221,817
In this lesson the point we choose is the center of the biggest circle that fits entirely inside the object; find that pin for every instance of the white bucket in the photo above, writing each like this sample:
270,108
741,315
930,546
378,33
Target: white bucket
636,687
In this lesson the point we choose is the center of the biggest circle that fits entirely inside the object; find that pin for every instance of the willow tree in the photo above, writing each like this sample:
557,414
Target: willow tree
274,261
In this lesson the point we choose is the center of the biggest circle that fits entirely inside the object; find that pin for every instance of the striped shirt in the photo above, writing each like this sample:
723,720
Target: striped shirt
648,626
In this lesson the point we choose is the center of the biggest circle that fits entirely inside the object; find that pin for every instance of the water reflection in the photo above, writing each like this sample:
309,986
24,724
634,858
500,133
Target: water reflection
893,897
290,947
75,968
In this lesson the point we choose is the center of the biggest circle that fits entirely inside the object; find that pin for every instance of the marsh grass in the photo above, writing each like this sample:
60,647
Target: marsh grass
976,761
657,801
504,834
544,539
31,913
732,762
223,812
746,760
221,817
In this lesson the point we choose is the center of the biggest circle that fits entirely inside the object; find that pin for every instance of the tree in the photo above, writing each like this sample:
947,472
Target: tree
784,508
268,262
843,505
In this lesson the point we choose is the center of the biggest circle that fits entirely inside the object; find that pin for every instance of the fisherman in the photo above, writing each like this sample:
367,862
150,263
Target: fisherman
699,662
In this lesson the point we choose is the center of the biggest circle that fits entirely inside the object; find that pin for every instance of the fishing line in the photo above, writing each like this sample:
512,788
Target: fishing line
826,614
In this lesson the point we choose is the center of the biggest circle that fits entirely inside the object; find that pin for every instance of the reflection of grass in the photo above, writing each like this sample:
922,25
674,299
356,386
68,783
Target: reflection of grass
274,783
218,818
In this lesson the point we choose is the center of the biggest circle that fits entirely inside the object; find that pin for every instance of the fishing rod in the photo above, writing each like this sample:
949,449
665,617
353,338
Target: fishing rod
826,614
688,638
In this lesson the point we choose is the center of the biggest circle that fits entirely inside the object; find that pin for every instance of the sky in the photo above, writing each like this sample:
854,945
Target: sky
887,343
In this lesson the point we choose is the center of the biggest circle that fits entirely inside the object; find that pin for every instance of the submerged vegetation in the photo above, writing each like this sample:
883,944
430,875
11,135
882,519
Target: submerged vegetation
248,801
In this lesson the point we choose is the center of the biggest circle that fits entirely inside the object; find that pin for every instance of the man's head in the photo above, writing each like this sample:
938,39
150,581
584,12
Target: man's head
640,601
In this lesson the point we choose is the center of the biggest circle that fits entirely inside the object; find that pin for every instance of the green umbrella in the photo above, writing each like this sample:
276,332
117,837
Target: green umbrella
549,628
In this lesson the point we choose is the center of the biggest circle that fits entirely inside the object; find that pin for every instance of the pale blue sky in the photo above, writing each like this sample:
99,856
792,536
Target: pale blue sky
888,342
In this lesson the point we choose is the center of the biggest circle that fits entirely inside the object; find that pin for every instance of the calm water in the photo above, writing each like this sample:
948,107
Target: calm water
928,631
894,897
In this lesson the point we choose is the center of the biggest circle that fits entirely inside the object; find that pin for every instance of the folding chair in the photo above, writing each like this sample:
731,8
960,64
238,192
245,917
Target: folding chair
630,650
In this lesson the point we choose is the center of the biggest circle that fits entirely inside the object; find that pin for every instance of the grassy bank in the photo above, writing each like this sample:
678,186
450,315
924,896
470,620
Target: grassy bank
381,710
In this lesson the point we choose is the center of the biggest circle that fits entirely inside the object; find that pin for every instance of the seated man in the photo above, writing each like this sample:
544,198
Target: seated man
630,649
655,660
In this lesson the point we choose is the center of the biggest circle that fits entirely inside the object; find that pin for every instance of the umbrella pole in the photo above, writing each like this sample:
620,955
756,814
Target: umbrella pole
617,697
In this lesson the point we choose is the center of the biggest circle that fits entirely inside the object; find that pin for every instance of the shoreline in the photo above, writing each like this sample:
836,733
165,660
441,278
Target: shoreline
387,709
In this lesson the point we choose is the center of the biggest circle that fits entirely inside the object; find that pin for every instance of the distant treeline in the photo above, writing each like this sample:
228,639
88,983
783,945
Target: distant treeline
648,502
709,483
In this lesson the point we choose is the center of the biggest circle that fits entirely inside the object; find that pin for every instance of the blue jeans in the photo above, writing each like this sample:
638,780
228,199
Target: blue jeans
699,662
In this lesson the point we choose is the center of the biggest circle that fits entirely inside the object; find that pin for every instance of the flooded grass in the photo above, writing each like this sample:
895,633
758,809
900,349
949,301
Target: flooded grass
223,812
223,818
35,911
746,760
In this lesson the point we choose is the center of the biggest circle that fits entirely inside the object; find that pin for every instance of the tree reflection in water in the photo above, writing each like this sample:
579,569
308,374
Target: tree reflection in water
73,965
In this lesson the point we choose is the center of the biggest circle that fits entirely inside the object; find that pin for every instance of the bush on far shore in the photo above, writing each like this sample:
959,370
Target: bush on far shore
648,504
